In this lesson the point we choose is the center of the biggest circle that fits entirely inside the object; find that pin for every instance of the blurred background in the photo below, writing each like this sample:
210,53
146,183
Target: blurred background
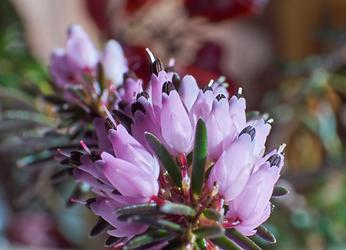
288,55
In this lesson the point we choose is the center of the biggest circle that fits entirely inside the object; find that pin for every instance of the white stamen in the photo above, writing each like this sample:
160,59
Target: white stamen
281,148
109,115
171,62
151,55
211,82
240,91
270,121
85,147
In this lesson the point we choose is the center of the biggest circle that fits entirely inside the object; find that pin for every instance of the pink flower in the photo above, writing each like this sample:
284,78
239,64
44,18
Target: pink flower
114,63
232,170
176,127
252,206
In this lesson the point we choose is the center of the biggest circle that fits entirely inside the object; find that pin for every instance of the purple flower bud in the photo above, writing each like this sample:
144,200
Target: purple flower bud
79,48
114,63
252,206
176,127
188,91
232,170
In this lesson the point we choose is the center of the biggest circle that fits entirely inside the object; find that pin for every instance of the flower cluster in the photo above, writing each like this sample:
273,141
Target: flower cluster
85,76
176,165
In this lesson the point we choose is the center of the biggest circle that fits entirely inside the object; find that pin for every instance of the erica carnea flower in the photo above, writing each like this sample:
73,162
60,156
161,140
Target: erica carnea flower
177,166
85,76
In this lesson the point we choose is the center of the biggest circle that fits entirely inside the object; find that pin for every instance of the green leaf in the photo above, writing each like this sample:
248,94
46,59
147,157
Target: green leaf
146,208
279,192
265,235
178,209
209,232
165,158
243,240
212,214
225,243
155,222
201,243
199,157
101,76
148,239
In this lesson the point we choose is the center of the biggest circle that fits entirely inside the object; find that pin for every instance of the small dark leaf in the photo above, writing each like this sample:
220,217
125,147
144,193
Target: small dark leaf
147,208
212,214
60,175
99,227
111,240
279,192
242,240
148,239
101,76
265,235
166,159
124,119
209,232
156,222
199,157
177,209
225,243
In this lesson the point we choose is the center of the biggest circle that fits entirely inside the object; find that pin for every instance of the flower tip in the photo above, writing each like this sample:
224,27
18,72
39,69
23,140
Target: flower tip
151,55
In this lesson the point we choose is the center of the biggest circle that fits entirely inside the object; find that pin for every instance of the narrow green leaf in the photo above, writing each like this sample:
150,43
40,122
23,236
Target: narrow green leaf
146,208
209,232
212,214
265,235
201,243
178,209
156,222
165,158
279,192
242,240
199,157
144,240
225,243
101,76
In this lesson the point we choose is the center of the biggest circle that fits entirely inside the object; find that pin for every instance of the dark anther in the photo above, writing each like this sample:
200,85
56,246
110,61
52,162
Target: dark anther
137,106
130,74
156,66
274,160
89,202
176,81
111,240
207,89
167,87
108,124
75,158
122,105
144,94
95,156
249,130
220,96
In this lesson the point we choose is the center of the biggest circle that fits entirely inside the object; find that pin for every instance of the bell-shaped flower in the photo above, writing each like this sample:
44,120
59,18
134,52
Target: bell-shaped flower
237,108
176,127
219,128
202,106
79,48
155,87
232,170
129,179
188,91
114,63
252,206
129,149
262,132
